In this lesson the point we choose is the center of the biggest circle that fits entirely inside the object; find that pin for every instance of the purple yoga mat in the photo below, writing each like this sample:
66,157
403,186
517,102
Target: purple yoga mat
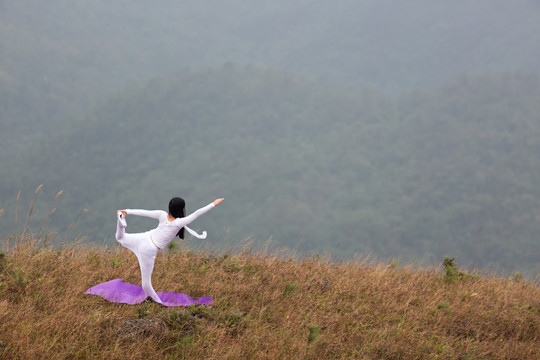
118,291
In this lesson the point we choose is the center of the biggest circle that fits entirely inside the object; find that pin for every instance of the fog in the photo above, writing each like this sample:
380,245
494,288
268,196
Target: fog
329,125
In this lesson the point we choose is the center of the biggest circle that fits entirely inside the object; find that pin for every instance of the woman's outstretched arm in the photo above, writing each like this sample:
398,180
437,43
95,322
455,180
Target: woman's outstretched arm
188,219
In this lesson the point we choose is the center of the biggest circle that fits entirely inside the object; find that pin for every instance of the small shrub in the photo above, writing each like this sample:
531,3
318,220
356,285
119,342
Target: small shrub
443,306
182,320
289,288
142,311
314,333
201,269
20,279
250,269
534,308
172,246
202,312
450,268
233,318
116,262
451,272
2,260
232,266
186,342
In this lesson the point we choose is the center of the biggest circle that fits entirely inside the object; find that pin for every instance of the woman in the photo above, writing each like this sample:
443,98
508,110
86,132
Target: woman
146,245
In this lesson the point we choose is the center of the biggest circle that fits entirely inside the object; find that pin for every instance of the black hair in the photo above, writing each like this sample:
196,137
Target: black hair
177,208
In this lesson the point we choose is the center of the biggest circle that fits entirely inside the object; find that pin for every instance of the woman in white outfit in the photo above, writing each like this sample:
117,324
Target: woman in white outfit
146,245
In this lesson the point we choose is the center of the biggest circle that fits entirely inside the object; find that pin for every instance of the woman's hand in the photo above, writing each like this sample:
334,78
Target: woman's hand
218,201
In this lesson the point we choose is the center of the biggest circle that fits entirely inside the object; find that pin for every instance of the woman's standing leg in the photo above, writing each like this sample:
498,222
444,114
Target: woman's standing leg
147,265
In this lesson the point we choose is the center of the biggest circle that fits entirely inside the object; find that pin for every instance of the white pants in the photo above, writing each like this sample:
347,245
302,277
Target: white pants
146,251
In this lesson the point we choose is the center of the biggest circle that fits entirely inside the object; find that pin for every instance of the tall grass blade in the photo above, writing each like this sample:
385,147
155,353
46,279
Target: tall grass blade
16,208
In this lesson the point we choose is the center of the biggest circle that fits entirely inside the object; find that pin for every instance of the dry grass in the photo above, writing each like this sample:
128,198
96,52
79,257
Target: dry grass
265,307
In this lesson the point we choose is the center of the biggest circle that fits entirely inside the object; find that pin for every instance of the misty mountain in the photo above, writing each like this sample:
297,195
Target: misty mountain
60,58
313,165
399,129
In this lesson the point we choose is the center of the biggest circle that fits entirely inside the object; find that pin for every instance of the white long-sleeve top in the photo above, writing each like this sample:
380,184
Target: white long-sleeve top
167,230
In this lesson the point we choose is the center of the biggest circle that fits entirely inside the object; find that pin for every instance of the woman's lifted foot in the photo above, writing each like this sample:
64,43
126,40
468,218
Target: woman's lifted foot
121,218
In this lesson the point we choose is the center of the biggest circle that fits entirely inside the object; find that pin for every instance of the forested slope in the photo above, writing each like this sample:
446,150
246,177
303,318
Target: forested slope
59,58
313,165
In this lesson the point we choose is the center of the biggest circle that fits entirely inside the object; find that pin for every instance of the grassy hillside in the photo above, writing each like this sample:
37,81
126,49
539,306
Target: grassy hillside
265,306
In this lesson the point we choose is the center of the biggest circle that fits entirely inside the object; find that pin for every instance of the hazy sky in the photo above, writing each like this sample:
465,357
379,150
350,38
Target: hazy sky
390,45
